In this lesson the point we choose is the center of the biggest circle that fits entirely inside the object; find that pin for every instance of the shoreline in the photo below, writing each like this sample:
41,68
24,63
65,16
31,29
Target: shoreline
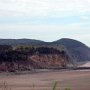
36,71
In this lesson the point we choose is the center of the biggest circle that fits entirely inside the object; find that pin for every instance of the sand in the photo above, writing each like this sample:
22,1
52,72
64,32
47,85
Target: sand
87,64
76,80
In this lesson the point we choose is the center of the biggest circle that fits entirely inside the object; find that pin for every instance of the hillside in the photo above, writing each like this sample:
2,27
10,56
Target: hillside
21,58
15,42
25,54
79,51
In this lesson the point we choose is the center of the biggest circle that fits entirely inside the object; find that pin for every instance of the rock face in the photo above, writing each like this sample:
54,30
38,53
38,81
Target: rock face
28,58
48,61
36,62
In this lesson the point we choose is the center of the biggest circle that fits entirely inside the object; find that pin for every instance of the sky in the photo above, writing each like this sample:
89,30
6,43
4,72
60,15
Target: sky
47,20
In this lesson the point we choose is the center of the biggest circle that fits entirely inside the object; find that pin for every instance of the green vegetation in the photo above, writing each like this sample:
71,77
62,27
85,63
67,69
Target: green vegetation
4,86
10,54
54,86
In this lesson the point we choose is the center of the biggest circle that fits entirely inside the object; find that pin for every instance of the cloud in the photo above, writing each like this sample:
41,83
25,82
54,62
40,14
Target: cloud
24,7
68,30
83,38
76,7
84,17
43,8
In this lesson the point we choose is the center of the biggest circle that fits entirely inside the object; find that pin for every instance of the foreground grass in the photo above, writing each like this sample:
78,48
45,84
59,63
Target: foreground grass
55,86
4,86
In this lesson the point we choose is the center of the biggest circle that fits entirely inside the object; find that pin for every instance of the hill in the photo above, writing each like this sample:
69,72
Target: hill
15,42
25,54
79,51
21,58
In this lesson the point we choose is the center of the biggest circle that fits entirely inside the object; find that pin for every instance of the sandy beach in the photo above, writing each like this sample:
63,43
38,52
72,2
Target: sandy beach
75,80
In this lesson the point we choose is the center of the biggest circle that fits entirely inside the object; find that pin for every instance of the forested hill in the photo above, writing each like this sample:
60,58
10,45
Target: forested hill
30,53
21,58
14,42
78,50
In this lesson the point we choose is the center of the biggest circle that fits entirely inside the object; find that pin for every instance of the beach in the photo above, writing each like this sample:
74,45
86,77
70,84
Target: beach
73,79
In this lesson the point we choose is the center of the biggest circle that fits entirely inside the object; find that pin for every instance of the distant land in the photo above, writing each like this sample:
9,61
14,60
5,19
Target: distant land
28,54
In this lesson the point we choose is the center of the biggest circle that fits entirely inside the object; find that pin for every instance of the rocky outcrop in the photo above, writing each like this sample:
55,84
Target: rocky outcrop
50,61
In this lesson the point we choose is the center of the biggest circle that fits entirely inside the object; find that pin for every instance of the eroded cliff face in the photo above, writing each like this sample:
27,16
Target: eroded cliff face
41,61
47,61
28,58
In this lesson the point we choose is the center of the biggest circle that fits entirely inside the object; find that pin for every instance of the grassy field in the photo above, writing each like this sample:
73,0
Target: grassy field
60,80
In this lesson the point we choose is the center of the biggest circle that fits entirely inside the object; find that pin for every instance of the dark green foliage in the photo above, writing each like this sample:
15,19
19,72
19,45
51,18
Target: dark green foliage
15,42
47,50
5,48
20,53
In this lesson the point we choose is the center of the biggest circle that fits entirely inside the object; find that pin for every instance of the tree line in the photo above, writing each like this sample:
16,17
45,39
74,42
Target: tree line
18,53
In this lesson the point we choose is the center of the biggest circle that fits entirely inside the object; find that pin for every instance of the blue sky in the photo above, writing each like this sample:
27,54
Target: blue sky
46,20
